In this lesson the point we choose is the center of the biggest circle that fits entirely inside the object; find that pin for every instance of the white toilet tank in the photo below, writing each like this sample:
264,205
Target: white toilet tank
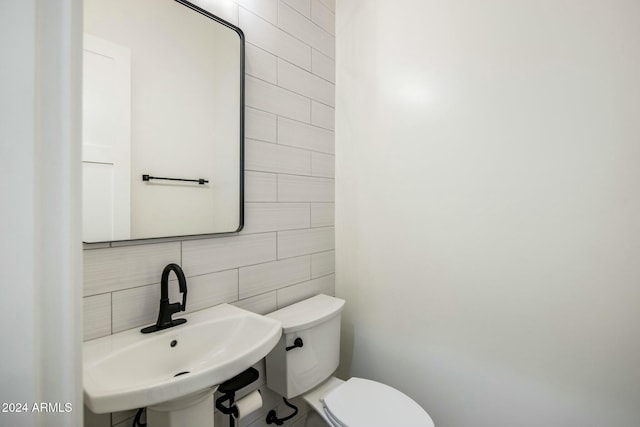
315,321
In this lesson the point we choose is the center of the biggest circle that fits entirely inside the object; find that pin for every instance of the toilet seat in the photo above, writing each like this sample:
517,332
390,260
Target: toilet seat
364,403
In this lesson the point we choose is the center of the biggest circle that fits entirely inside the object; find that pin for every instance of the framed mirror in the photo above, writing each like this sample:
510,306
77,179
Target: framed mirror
163,120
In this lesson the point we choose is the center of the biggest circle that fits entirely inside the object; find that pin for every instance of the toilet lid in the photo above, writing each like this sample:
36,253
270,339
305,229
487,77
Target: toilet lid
365,403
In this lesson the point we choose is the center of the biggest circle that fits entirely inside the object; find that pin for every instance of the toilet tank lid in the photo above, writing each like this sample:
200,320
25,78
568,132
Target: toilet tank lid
308,313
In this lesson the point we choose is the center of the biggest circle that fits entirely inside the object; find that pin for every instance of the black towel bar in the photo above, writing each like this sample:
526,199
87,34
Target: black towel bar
199,180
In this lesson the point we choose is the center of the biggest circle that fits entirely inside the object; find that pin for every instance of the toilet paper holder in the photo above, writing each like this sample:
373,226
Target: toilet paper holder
229,389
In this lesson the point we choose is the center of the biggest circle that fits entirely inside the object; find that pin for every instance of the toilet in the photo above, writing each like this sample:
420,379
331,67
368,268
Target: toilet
303,363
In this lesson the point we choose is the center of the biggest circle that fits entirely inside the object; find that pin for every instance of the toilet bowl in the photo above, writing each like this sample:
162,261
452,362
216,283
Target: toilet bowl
304,360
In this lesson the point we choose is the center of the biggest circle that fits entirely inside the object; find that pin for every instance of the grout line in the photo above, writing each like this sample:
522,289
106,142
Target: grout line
277,85
304,176
310,97
309,279
277,28
226,270
239,267
286,173
294,120
240,6
280,145
312,164
96,295
258,295
264,172
311,73
262,111
306,281
278,129
322,127
313,126
310,21
277,71
305,99
328,10
238,284
111,320
279,204
280,231
316,74
323,252
263,49
321,226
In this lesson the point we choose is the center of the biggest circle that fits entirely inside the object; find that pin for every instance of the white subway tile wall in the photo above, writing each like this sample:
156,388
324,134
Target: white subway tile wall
260,217
260,187
304,135
285,253
323,66
331,5
263,126
322,264
269,157
302,6
323,16
295,188
322,115
322,214
322,165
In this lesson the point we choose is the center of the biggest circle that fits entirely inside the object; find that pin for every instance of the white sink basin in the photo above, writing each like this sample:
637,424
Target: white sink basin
132,370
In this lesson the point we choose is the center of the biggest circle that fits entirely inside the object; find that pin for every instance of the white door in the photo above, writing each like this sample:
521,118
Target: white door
106,140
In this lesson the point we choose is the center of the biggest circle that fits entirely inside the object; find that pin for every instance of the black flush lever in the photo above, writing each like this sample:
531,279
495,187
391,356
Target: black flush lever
297,343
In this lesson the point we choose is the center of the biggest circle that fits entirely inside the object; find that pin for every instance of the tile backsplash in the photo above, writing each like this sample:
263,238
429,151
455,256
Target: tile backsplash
286,251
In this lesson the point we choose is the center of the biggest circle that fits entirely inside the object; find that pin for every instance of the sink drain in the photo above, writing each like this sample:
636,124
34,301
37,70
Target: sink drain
181,373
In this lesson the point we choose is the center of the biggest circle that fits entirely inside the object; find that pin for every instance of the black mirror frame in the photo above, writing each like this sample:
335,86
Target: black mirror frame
242,106
241,142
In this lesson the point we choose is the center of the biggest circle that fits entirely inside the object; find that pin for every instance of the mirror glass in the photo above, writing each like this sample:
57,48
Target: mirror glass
162,121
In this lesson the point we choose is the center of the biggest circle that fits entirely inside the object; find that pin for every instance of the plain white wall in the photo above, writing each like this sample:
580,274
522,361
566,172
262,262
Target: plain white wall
40,249
488,207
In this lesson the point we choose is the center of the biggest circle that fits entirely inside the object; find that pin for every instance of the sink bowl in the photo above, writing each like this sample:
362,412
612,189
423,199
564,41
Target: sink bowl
131,370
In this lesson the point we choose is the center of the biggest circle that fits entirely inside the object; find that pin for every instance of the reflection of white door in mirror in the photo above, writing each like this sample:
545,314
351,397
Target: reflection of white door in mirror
106,140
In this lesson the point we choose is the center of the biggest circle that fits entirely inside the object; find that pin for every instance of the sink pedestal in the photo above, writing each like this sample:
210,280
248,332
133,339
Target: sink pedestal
192,410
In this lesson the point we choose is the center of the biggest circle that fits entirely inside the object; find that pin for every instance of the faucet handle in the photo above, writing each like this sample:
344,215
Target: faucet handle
175,307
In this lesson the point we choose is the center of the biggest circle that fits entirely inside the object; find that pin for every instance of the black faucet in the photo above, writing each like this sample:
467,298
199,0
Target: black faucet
167,309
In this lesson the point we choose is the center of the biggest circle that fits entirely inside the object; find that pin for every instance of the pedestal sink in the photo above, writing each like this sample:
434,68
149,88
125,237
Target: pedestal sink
174,372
